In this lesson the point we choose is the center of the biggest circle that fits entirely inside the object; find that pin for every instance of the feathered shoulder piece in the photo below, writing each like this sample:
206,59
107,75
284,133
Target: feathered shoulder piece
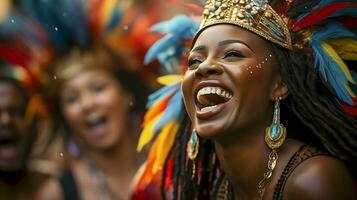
165,107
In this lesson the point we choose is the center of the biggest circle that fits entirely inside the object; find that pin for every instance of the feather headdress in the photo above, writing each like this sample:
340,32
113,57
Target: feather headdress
36,32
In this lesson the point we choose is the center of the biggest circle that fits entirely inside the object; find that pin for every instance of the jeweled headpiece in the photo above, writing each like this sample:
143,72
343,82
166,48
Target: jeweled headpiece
255,15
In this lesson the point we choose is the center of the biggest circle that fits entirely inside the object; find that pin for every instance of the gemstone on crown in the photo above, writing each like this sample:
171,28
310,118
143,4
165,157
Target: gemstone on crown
254,15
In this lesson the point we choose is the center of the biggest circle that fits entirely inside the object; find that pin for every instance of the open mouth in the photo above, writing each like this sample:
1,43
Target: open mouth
8,136
8,141
208,98
9,145
95,120
97,124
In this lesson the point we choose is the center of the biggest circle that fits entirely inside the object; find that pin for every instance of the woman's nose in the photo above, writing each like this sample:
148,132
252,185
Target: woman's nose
207,69
87,102
5,117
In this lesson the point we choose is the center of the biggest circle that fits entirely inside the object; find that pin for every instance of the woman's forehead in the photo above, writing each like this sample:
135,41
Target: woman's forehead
215,34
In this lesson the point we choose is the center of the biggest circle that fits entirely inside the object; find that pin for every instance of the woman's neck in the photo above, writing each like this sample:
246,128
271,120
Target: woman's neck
122,155
118,165
243,158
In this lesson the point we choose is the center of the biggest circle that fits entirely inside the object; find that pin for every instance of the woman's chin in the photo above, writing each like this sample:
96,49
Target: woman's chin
103,144
209,132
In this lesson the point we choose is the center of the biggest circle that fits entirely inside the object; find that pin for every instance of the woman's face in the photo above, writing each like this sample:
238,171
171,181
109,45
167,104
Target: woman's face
228,87
96,108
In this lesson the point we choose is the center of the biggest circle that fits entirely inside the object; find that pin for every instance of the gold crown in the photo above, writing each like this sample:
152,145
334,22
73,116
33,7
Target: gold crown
257,16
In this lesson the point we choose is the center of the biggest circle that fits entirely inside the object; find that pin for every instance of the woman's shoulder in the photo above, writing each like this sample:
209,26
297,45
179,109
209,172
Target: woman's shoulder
320,177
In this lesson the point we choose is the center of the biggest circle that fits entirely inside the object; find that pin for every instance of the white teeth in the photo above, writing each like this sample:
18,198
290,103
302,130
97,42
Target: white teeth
208,108
92,118
214,90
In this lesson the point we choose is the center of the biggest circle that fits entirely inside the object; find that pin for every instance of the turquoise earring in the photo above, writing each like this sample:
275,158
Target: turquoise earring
192,150
275,134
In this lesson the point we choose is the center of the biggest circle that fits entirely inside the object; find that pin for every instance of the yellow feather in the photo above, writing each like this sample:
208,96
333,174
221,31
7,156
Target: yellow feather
107,9
147,133
329,50
147,175
345,47
350,91
32,108
165,141
169,79
158,107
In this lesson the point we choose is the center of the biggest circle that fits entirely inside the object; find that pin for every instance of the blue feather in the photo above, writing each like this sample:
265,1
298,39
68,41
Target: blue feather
19,27
354,87
169,49
329,69
326,2
162,93
114,20
332,30
182,26
65,22
45,13
332,73
78,28
346,12
172,111
342,12
158,47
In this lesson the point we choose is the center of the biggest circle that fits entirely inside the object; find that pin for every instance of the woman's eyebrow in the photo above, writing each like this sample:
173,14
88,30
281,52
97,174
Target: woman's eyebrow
226,42
198,48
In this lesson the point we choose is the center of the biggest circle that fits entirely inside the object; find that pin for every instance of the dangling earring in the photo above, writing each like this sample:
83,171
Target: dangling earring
275,135
192,150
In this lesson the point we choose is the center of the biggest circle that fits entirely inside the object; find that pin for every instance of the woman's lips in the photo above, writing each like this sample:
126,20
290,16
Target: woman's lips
211,99
97,125
99,130
210,111
9,152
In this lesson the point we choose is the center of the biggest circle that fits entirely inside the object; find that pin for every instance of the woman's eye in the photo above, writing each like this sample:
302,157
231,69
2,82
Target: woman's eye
193,63
69,99
233,54
98,87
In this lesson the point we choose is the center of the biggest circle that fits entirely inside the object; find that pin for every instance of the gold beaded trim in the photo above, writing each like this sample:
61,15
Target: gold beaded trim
256,16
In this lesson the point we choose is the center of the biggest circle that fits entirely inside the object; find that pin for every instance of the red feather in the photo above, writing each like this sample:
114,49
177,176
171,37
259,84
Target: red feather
282,7
168,181
18,55
94,19
349,22
14,55
352,110
320,14
194,8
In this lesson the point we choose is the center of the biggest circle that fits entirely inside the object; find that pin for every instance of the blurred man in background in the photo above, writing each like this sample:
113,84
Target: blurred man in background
16,138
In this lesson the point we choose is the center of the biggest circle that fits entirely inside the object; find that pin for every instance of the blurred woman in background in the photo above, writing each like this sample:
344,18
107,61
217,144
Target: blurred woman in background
98,100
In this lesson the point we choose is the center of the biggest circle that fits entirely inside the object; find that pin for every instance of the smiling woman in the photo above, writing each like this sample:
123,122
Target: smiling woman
219,79
94,91
261,91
